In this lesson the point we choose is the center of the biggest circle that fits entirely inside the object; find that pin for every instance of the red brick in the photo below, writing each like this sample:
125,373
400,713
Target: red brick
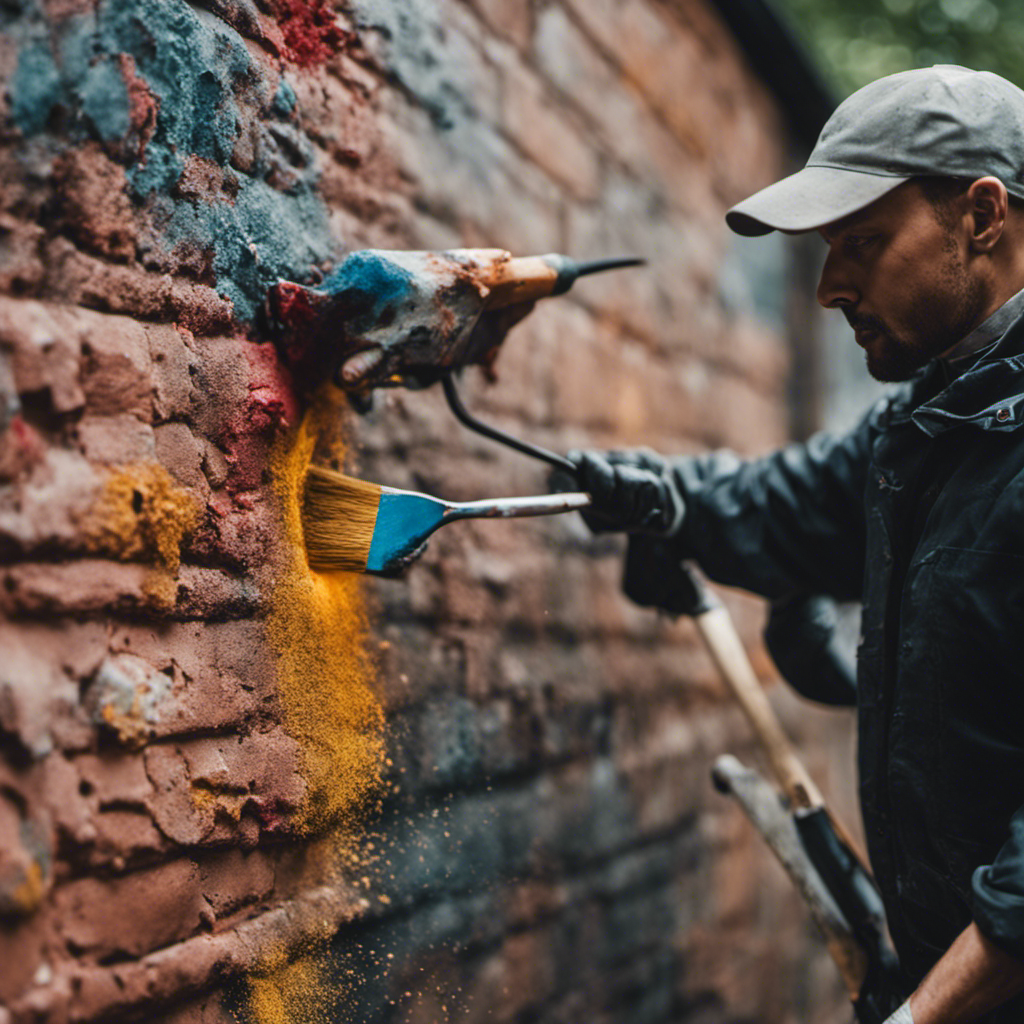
34,692
544,133
115,440
46,348
48,506
512,19
172,357
134,914
116,366
177,448
232,879
80,588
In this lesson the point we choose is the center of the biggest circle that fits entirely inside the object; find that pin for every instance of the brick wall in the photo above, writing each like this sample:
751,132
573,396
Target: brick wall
233,789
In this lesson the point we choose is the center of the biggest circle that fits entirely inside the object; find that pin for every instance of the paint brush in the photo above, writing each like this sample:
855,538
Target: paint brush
356,526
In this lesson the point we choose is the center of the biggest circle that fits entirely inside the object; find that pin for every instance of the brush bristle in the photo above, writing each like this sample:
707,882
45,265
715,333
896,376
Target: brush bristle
339,514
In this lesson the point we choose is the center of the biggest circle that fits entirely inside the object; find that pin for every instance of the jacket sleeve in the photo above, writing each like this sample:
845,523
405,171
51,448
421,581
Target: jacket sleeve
998,893
790,522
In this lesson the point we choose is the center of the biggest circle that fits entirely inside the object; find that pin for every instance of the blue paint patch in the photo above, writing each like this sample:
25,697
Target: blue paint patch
404,521
35,88
213,103
105,101
369,272
285,99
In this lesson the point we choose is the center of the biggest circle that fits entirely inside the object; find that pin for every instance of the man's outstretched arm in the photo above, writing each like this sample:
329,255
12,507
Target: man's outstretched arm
973,977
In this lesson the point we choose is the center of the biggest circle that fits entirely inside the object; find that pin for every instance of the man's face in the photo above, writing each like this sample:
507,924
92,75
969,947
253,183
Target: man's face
901,278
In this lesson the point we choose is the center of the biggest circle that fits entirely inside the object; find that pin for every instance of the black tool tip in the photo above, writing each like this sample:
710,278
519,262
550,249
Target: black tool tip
611,263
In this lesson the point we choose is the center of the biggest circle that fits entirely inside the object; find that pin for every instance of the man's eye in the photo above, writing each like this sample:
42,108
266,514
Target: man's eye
858,241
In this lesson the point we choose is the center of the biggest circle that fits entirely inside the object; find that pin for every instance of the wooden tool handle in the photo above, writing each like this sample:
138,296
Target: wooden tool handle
716,628
761,804
719,634
519,279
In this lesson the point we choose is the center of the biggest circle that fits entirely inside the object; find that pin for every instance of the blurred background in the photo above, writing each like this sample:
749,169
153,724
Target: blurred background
856,42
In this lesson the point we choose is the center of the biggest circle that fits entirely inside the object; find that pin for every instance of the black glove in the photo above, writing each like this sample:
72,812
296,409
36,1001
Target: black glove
632,492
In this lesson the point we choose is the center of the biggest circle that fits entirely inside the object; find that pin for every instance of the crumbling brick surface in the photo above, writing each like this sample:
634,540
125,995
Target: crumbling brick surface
231,789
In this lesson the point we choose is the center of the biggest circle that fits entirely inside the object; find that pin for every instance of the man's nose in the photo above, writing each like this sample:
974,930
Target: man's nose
836,287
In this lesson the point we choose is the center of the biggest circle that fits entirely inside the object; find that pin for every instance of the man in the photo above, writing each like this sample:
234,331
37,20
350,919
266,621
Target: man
917,187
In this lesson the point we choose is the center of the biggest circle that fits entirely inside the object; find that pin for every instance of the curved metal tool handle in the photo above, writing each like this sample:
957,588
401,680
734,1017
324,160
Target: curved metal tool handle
463,415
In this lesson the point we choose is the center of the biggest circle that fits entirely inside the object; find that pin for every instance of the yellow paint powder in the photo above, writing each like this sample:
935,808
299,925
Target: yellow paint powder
27,897
289,995
141,514
319,629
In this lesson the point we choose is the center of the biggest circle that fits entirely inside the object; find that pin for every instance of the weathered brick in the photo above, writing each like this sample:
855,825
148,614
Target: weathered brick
232,879
46,349
177,448
510,18
116,367
78,588
115,440
34,692
172,356
165,904
60,488
535,124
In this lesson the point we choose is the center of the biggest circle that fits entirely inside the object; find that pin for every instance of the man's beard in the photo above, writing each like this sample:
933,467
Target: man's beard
887,359
940,321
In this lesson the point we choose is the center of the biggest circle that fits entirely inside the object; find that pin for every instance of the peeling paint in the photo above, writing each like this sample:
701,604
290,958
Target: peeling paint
164,83
125,695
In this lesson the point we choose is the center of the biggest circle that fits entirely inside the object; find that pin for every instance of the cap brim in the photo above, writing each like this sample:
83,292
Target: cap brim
809,199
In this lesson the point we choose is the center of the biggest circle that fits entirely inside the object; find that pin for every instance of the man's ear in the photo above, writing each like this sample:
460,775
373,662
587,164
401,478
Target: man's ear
988,205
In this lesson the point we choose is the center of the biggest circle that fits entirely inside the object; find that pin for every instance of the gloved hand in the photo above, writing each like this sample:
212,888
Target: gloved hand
632,491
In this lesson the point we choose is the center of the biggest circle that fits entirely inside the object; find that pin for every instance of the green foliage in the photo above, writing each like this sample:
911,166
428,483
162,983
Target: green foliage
857,41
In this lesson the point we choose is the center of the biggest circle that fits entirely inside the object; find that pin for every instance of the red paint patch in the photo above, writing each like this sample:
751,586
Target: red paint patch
296,310
311,34
21,447
271,406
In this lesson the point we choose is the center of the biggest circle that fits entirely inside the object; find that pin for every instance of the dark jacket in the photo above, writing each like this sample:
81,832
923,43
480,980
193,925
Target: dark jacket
918,513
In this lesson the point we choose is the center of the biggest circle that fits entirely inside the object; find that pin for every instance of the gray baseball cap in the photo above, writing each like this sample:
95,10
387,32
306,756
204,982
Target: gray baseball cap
944,120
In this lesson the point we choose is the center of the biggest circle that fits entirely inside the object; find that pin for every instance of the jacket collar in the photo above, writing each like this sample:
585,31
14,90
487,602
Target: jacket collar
990,395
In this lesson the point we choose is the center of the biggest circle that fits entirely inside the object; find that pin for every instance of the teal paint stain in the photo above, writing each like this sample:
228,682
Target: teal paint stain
404,522
35,88
105,101
285,100
209,92
368,285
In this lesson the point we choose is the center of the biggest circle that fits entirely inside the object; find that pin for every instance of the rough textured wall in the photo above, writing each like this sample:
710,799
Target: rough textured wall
231,788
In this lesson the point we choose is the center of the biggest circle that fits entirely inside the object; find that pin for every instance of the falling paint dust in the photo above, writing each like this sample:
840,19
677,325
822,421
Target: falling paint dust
319,629
289,995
